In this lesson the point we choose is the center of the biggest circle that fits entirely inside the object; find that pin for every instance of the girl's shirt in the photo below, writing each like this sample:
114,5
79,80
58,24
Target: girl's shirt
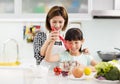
81,59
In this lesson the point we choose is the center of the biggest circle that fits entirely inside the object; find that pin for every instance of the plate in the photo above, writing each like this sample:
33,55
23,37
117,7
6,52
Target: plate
73,78
106,81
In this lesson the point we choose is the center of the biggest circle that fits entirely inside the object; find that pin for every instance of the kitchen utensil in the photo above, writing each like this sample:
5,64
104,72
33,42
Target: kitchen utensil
108,56
10,57
117,49
62,39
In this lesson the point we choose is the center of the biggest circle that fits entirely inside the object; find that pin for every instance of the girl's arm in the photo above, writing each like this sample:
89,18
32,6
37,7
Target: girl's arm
93,63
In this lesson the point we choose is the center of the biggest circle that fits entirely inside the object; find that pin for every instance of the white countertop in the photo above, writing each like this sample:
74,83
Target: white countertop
52,79
29,73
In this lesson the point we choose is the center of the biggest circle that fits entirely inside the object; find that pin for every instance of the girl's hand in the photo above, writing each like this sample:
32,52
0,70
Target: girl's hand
86,51
53,36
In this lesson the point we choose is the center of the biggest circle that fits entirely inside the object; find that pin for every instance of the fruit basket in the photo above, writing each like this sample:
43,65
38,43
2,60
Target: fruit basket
9,53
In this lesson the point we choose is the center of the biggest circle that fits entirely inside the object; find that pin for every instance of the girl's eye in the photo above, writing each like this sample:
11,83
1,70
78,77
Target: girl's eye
76,42
60,22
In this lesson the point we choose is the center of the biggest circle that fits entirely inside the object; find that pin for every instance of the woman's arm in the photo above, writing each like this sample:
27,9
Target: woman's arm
52,36
49,57
44,47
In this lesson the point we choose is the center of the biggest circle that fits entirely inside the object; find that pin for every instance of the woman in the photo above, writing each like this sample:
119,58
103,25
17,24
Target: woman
57,17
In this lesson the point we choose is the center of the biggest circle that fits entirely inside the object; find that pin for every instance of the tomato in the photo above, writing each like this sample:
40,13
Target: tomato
55,69
59,69
57,73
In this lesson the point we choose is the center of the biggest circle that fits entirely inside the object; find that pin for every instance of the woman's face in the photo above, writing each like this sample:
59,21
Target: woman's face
57,22
74,47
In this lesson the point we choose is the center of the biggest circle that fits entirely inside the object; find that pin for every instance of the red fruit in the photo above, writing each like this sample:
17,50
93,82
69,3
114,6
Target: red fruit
55,69
57,73
59,69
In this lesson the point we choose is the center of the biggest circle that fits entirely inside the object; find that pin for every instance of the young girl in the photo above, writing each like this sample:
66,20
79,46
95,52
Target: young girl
74,40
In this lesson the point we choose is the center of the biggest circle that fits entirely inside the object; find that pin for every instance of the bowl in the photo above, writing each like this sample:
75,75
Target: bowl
108,56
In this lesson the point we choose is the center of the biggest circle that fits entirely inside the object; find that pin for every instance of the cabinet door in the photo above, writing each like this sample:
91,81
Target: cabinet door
103,4
7,7
42,6
77,9
36,10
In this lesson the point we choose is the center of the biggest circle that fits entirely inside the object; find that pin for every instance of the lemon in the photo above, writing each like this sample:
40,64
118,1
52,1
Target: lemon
115,61
87,71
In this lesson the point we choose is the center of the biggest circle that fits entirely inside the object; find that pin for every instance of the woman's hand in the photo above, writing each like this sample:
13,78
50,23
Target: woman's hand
53,36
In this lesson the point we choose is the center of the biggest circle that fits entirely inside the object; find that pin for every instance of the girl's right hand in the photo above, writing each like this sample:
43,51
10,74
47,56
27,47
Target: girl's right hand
53,36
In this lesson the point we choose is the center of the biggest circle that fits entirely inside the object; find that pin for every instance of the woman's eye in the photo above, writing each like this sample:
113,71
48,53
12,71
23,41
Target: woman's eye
54,22
60,22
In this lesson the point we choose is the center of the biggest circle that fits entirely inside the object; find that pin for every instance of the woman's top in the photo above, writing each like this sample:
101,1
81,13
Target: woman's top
39,40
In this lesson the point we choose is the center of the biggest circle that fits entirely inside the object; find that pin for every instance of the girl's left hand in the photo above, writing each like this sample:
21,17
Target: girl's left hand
86,51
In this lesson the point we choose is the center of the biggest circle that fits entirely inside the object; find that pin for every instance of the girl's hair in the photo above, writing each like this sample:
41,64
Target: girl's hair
74,34
56,11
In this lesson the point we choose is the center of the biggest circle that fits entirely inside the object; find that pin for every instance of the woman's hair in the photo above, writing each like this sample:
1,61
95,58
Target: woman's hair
56,11
74,34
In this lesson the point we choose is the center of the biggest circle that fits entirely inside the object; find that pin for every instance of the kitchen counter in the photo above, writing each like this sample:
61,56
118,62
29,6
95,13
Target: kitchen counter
53,79
16,74
29,73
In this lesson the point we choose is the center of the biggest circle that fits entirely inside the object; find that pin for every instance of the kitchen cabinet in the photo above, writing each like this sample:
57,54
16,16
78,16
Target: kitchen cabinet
35,10
103,4
106,4
106,9
7,6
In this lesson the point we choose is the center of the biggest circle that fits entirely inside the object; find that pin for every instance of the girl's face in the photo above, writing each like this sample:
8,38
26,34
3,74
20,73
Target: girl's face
57,22
74,46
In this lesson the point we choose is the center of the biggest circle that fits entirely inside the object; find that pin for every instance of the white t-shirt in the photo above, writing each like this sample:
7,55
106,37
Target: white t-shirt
81,59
